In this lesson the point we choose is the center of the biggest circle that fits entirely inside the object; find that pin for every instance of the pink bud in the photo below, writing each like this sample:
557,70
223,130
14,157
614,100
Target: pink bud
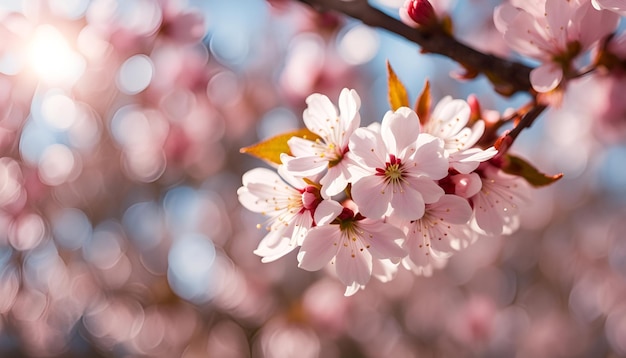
311,197
466,185
475,110
418,12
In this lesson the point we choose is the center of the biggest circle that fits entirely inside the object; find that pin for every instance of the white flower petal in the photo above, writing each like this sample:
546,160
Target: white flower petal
274,246
450,118
317,114
301,147
467,161
303,166
384,270
349,105
352,289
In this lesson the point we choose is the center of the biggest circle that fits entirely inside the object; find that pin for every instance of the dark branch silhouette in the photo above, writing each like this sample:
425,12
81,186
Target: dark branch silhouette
508,77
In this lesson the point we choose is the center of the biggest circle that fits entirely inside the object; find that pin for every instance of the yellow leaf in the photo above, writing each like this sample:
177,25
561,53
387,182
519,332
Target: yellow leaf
422,106
271,149
398,96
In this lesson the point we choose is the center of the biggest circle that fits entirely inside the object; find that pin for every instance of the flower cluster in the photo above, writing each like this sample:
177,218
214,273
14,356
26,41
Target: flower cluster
407,191
557,33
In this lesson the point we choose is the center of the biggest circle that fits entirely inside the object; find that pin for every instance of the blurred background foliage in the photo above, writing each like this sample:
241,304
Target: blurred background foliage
120,230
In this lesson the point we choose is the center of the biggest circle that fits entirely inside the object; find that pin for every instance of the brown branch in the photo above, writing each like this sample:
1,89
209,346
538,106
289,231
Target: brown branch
508,77
527,121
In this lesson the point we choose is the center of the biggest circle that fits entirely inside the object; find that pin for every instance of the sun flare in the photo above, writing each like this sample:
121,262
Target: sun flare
52,59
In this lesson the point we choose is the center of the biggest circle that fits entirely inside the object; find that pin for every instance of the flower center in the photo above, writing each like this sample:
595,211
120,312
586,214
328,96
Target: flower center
393,170
336,154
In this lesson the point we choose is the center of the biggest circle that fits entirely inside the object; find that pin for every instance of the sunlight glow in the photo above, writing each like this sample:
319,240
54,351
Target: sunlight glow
52,59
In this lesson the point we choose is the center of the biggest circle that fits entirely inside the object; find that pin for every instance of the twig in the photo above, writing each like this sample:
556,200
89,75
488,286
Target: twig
527,121
508,77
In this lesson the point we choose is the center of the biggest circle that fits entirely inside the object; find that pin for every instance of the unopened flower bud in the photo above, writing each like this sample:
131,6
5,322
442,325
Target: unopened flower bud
311,197
418,13
475,110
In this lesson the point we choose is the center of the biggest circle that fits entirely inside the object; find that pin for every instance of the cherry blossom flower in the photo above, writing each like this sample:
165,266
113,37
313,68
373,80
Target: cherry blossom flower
442,230
398,167
554,32
449,122
351,243
292,207
496,205
329,152
617,6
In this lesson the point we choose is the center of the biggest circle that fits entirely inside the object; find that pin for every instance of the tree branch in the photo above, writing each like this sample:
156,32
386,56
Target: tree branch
508,77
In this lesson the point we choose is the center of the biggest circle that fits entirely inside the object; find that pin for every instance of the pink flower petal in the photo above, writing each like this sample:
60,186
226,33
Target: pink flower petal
319,110
503,15
558,14
372,196
449,118
327,211
430,191
399,130
591,25
452,209
353,267
546,77
367,148
522,36
319,247
335,180
383,241
349,105
407,203
617,6
429,157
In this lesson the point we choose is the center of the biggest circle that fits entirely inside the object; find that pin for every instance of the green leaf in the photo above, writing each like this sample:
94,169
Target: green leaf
398,96
520,167
423,103
271,149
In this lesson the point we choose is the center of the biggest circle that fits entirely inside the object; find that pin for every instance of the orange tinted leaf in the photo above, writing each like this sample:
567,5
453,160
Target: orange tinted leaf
423,103
398,96
520,167
271,149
